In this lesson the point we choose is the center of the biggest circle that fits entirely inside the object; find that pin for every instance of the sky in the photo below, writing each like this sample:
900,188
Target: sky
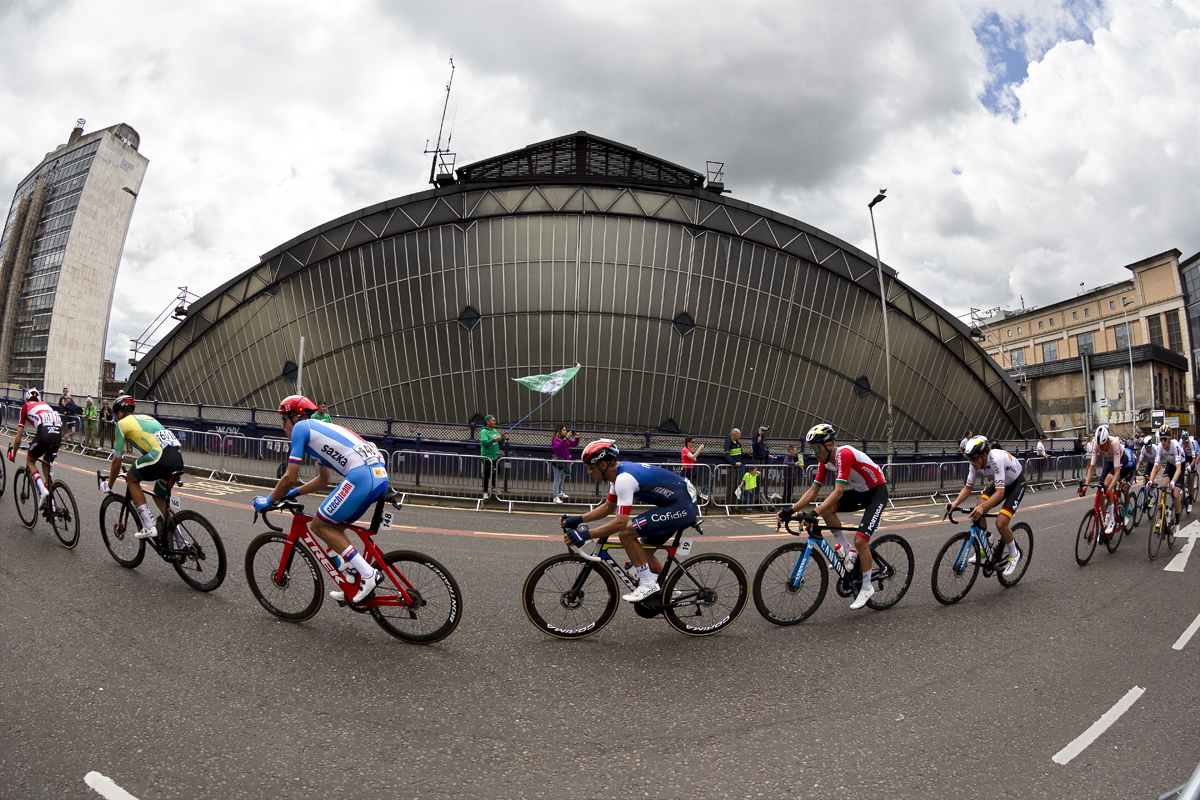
1025,146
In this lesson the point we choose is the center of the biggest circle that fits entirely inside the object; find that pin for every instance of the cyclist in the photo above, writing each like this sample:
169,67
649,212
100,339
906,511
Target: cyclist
858,484
1169,456
1008,491
159,460
364,480
673,498
47,437
1107,448
1188,443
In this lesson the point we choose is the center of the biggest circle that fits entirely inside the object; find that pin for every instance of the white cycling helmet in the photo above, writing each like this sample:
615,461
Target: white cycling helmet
977,446
1102,435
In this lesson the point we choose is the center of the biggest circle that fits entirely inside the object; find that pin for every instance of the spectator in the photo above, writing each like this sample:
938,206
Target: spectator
750,486
734,458
1077,449
762,454
560,462
789,473
688,456
90,415
322,413
70,413
106,424
489,448
1041,452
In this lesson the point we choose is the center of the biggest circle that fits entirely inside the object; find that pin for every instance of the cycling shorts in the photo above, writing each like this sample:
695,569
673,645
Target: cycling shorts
871,502
352,498
45,443
1127,473
1013,493
1108,470
157,467
659,524
1146,470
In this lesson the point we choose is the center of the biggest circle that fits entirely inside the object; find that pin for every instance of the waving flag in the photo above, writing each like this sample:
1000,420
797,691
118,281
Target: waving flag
549,384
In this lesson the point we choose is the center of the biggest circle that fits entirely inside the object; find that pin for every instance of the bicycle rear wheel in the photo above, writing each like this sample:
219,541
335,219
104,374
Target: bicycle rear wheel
297,594
892,570
781,600
25,495
437,602
3,476
119,521
1085,539
64,516
712,594
196,551
954,569
1023,537
1114,538
569,597
1139,507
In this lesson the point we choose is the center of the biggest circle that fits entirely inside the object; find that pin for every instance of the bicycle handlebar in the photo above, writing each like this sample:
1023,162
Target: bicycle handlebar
282,505
950,515
817,525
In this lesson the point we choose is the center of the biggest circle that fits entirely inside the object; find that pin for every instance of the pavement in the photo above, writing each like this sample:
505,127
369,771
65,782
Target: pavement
169,693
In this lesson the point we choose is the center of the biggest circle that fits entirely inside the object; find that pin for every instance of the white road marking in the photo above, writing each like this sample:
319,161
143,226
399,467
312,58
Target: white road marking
1182,641
105,787
1179,562
1098,727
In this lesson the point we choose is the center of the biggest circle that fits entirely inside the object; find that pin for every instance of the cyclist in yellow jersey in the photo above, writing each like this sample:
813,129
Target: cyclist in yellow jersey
159,460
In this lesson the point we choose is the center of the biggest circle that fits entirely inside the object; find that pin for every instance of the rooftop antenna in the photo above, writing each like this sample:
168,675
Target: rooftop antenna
441,171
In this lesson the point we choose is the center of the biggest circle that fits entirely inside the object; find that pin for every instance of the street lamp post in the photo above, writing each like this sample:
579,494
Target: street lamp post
887,344
1125,303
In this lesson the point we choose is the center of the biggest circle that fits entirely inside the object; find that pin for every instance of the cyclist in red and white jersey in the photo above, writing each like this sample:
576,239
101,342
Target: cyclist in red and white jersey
47,436
1009,489
1108,450
858,484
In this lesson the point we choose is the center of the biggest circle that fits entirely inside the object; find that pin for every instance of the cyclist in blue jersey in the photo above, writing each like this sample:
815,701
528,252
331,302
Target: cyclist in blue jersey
336,450
673,498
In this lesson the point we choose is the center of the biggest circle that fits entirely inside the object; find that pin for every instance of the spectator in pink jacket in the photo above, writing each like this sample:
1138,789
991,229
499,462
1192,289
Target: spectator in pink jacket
561,458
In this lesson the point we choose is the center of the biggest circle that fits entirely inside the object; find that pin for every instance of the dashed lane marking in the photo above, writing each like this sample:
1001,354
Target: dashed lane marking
1098,727
106,787
1179,562
1182,641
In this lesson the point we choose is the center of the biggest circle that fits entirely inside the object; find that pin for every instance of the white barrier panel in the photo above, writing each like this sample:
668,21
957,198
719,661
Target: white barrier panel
452,475
200,450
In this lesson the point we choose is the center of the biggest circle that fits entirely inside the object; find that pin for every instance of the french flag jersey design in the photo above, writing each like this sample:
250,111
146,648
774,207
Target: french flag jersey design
37,413
647,484
854,468
332,445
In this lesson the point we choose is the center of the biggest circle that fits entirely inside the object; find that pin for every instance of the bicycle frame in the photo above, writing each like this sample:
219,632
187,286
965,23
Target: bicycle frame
819,542
602,557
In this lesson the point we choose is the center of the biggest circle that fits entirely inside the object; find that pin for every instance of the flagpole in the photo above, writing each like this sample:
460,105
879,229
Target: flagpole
530,414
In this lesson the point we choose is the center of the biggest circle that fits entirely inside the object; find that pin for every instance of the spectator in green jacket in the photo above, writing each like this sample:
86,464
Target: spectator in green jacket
322,413
489,448
90,416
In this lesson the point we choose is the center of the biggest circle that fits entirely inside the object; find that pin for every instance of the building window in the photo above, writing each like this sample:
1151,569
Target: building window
1155,325
1010,331
1049,351
1087,312
1191,282
989,337
1017,357
1174,334
1084,342
1074,315
1122,334
1112,304
1040,325
1052,322
1018,330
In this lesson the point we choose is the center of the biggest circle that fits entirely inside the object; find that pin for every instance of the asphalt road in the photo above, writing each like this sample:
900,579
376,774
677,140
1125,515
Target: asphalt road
176,694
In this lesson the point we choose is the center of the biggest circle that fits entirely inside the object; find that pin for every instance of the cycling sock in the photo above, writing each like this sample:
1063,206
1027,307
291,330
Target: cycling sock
646,576
867,576
841,540
358,562
1011,547
144,513
41,485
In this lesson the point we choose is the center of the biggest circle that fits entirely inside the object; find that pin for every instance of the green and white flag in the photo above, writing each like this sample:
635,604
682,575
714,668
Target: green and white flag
549,384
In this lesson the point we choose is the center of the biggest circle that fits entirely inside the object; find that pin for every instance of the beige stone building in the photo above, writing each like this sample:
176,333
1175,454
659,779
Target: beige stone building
62,245
1073,358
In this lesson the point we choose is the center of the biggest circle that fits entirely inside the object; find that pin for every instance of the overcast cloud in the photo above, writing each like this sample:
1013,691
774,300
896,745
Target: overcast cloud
1025,146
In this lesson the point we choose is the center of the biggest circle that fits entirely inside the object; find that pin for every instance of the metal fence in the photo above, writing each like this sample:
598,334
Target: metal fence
449,475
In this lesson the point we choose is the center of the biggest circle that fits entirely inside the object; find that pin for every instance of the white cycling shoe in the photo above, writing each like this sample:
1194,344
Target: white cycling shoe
364,590
864,595
640,593
1013,560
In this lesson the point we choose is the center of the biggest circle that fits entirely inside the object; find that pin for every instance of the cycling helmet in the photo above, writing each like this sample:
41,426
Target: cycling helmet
820,434
123,403
297,404
977,446
33,394
1147,441
598,451
1165,430
1102,435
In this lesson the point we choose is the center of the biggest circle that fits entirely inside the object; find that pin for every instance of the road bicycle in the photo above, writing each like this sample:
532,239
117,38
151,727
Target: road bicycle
60,509
575,594
418,600
1162,522
791,582
962,557
184,539
1143,501
1091,527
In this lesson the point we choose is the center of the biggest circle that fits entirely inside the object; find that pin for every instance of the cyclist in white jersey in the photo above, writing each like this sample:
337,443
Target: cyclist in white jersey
1188,443
1169,457
1108,450
1009,490
858,484
47,435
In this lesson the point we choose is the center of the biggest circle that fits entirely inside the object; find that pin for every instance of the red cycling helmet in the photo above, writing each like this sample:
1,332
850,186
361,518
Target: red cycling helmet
599,450
296,404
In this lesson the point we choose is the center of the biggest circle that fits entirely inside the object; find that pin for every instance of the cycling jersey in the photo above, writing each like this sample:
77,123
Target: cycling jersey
1168,456
334,447
1147,453
646,484
1109,451
1127,459
1188,450
146,434
852,468
36,414
1000,466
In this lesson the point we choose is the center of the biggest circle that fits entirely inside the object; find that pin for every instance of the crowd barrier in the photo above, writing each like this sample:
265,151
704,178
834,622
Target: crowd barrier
448,475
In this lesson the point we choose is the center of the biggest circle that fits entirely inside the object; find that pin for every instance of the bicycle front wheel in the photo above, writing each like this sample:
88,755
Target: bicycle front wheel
64,515
1023,537
293,593
785,600
955,569
1114,539
436,606
569,597
1085,539
119,521
195,550
712,594
25,495
1139,508
3,477
892,570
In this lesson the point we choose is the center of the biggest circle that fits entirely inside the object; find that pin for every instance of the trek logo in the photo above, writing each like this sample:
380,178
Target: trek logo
334,455
668,517
337,498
